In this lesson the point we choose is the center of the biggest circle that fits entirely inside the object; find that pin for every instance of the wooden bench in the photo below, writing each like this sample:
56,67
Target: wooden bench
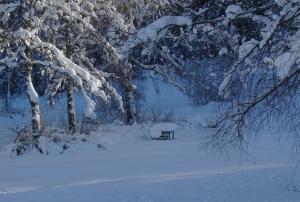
166,135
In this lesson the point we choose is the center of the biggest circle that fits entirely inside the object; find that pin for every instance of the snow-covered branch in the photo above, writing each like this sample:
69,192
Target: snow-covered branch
153,32
250,48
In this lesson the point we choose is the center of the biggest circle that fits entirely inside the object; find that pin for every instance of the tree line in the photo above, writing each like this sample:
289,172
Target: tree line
237,51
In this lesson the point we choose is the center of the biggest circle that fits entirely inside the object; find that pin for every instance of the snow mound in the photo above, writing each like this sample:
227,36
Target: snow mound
44,145
155,130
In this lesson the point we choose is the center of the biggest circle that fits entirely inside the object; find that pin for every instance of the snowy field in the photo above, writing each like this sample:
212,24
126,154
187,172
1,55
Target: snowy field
152,171
133,168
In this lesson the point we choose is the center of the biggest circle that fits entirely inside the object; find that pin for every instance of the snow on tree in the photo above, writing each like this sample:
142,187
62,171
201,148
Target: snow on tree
156,47
28,39
153,32
240,51
268,70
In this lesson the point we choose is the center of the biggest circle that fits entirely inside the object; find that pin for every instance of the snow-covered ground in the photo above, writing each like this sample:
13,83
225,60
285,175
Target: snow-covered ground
133,168
151,171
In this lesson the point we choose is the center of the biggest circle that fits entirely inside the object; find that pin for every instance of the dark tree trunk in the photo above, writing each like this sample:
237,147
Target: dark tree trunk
8,91
71,109
130,106
69,83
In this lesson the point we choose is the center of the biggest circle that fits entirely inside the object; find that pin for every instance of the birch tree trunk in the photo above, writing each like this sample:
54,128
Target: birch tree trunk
32,94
